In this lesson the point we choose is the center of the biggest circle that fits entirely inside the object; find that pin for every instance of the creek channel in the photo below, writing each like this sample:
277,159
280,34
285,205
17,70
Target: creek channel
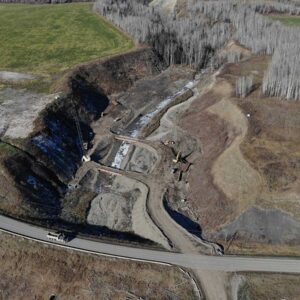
135,128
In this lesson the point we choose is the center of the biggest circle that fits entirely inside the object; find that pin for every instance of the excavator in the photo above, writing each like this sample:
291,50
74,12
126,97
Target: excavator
177,159
169,142
83,146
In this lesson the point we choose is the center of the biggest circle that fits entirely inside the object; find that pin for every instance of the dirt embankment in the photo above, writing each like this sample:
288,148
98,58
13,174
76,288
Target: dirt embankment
244,190
36,168
42,1
270,220
208,202
116,74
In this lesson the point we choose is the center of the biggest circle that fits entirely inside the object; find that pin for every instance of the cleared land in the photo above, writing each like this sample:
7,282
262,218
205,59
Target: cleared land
50,39
270,147
41,271
246,176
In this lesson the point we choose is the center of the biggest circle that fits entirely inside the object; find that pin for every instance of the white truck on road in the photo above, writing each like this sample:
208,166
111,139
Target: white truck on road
57,237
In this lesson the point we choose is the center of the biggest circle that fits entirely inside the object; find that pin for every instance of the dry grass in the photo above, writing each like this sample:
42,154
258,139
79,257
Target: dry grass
272,147
207,202
272,143
270,287
30,270
245,162
232,173
244,247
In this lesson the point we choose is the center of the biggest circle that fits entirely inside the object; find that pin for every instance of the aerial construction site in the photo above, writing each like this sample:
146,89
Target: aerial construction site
171,144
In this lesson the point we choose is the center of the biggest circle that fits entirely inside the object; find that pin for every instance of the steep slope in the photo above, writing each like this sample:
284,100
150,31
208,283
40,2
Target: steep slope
37,166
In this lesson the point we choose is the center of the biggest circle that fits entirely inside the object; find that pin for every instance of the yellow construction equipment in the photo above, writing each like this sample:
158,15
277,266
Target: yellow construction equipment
168,142
176,160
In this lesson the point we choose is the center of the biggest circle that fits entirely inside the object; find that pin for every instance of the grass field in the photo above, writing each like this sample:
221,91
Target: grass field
288,20
42,271
49,39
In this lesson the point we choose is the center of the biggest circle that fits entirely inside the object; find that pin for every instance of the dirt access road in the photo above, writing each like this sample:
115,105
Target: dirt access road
180,239
176,236
214,284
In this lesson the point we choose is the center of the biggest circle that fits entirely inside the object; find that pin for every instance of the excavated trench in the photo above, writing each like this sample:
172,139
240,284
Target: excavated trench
36,169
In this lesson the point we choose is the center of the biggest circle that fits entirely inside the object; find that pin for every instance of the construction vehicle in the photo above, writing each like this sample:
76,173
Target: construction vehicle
83,146
168,142
174,170
72,186
185,166
86,158
57,237
177,159
179,177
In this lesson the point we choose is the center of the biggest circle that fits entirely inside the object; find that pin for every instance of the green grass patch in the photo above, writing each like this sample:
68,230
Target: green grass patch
50,39
7,149
287,20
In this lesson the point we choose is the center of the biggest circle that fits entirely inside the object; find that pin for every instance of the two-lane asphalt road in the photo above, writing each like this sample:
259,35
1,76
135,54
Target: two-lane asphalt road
201,262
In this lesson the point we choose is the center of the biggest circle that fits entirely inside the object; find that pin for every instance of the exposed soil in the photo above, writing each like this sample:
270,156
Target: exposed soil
243,180
14,77
272,147
39,148
200,178
116,74
114,208
208,203
18,111
142,161
252,226
231,172
247,165
122,207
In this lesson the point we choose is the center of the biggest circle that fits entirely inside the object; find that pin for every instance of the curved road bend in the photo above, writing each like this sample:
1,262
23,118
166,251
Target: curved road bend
193,261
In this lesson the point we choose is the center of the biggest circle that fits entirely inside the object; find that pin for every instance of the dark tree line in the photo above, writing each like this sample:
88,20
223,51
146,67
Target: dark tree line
197,38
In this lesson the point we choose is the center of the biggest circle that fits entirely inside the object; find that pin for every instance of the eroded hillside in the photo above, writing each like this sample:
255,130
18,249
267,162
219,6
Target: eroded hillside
244,186
40,158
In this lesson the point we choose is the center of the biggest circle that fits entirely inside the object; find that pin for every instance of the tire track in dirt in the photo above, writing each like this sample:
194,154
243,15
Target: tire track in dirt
213,284
231,171
206,200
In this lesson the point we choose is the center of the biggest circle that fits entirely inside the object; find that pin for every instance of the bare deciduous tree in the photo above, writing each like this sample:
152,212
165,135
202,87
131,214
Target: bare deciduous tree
243,86
197,38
